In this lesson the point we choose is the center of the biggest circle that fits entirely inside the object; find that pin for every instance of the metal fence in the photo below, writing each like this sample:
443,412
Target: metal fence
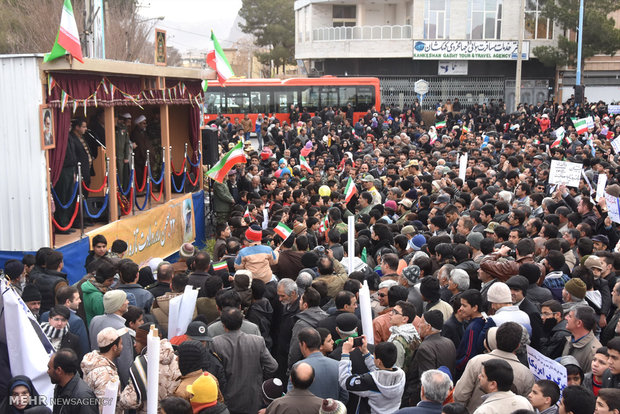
325,34
399,90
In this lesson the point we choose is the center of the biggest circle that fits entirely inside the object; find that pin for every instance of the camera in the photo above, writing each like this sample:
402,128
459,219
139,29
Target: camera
320,250
357,342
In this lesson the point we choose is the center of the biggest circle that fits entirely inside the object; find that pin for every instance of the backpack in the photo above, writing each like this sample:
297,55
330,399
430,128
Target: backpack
410,348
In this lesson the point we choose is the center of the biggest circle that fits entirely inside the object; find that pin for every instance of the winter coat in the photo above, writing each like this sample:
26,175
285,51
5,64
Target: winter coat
169,379
92,299
76,388
501,402
261,314
383,388
97,372
503,270
123,362
399,335
144,298
161,309
222,200
306,319
189,379
583,350
335,281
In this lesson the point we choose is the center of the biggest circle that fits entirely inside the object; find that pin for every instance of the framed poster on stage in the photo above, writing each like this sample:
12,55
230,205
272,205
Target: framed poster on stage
161,55
48,137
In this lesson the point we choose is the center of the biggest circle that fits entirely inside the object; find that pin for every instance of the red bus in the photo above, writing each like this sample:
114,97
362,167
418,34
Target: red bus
275,96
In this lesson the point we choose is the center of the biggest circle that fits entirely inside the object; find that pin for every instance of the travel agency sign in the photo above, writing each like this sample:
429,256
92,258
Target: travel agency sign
469,49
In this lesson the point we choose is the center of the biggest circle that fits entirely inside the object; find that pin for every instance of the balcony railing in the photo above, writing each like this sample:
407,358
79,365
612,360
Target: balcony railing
326,34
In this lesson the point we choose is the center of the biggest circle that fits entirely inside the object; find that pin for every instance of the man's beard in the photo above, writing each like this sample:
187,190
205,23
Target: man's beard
549,324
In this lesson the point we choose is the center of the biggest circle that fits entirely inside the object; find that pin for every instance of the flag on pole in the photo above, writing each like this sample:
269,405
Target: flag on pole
232,157
324,225
364,255
303,163
68,38
247,213
283,230
217,60
466,130
440,124
220,266
432,132
559,136
349,190
581,125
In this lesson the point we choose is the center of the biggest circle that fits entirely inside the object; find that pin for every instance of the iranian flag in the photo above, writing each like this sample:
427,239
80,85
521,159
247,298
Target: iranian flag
581,125
232,157
303,163
324,225
466,130
217,60
432,133
247,213
68,38
283,230
349,190
440,124
220,266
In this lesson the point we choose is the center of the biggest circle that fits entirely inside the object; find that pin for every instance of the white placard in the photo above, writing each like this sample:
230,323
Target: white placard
366,313
469,49
543,367
600,185
590,122
109,398
181,311
463,166
565,172
613,208
351,242
152,371
616,145
613,109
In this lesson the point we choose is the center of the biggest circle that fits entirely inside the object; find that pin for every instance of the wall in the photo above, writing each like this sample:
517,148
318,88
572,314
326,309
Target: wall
23,184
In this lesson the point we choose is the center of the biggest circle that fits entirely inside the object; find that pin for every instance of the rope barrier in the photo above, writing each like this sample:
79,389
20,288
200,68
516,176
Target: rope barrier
77,205
174,185
161,190
161,177
96,216
123,211
193,183
138,188
182,167
68,204
197,162
146,197
118,182
100,189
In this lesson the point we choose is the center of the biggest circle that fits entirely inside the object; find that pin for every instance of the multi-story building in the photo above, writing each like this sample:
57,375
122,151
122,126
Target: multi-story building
465,49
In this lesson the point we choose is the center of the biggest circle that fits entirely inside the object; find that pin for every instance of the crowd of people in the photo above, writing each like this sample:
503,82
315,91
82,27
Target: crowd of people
464,275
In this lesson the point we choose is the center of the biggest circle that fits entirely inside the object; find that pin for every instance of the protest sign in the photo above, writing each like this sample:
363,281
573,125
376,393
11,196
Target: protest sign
543,367
565,172
613,109
181,311
613,207
616,145
463,166
600,186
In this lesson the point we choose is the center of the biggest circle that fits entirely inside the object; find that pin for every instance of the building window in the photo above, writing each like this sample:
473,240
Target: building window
484,19
343,16
437,19
536,26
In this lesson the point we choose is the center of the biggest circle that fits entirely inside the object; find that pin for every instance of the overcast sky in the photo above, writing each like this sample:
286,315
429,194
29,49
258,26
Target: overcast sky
188,23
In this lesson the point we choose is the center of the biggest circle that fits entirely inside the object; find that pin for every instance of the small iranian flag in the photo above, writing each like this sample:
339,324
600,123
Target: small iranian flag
217,60
324,225
283,230
220,266
349,190
581,125
247,213
232,157
68,37
432,132
466,130
303,163
440,124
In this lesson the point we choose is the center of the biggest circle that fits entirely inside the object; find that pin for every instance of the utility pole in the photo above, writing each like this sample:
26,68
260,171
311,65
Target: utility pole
579,92
519,52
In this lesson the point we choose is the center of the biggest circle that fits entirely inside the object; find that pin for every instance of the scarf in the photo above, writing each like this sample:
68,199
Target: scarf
54,335
98,285
340,341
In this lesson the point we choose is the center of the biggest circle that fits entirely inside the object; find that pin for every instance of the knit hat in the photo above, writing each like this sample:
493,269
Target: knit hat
411,273
190,356
187,250
593,262
418,241
518,282
14,269
576,287
499,293
492,338
347,322
254,234
272,388
391,204
429,288
31,294
474,238
113,300
434,318
204,390
108,335
330,406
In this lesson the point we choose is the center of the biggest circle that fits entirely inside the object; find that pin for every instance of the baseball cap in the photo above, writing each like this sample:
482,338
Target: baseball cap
491,227
108,335
406,202
198,330
444,198
368,178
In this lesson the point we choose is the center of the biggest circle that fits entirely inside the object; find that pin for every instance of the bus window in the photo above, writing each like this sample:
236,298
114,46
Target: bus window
365,98
213,102
260,102
283,100
237,102
329,96
310,98
347,96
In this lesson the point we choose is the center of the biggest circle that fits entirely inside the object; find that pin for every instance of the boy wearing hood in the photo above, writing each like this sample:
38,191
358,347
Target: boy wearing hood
383,385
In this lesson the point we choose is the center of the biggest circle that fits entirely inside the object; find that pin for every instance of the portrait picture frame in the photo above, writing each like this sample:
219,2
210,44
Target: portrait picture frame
47,127
161,53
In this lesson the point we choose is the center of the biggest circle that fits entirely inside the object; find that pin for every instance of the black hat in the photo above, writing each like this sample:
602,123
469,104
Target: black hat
31,294
518,282
434,318
347,322
190,356
198,331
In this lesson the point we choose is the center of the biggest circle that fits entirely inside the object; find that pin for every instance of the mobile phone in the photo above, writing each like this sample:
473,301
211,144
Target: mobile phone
357,342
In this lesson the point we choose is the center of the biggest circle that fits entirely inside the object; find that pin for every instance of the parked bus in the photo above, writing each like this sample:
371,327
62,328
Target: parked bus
275,96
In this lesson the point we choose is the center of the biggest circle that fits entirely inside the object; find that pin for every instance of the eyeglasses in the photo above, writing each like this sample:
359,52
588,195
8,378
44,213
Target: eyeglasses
395,312
382,295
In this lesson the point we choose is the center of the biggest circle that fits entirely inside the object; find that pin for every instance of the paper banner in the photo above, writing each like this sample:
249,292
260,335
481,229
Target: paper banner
181,311
613,207
543,367
463,166
565,172
109,398
615,144
366,313
600,185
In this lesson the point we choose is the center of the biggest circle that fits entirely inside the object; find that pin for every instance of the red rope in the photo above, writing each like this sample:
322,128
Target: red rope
161,189
138,189
90,190
77,205
182,167
193,183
